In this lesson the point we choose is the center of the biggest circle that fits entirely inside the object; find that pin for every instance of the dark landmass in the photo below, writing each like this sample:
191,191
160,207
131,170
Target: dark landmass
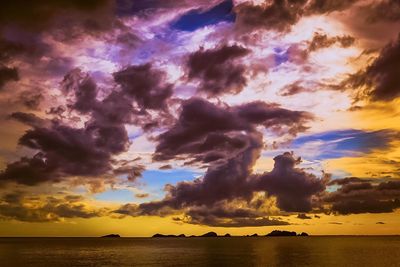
111,236
213,234
285,233
161,235
209,234
303,234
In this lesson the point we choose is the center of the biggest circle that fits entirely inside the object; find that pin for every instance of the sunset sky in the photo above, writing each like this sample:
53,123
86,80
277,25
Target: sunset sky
186,116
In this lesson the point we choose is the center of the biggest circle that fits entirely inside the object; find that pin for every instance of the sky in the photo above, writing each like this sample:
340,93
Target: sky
164,116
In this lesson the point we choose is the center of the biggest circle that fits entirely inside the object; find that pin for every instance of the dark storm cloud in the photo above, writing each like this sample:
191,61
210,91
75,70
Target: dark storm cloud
220,214
207,131
323,41
31,100
204,200
280,15
217,70
327,6
347,180
225,214
380,81
386,10
293,187
21,206
228,138
88,151
364,196
235,222
40,15
16,42
146,85
7,74
29,119
63,150
227,180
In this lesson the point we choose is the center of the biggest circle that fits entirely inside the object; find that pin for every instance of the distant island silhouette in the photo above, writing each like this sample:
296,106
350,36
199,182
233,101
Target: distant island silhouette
285,233
213,234
111,236
209,234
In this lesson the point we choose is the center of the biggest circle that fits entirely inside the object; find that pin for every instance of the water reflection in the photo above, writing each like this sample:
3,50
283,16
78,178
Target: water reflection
235,251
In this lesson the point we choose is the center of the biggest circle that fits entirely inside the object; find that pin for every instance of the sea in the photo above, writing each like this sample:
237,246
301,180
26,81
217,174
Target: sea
352,251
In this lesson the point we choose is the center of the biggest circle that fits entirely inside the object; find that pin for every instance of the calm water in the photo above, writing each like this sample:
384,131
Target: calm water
235,251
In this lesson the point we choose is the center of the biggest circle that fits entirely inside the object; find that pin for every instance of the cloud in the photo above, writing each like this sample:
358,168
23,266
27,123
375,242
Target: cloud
24,207
209,132
293,187
230,135
327,6
228,139
320,41
7,74
236,222
234,181
386,10
48,13
217,69
31,100
380,81
144,195
303,216
280,15
63,150
145,85
364,196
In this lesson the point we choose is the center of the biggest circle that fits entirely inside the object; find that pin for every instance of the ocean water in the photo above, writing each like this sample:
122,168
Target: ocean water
234,251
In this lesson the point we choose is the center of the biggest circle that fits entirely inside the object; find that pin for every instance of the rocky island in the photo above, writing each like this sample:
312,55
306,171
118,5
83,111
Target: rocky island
161,235
111,236
209,234
285,233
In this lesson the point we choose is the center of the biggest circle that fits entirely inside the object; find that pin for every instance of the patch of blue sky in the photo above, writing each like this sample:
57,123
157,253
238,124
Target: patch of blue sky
280,56
116,195
159,178
337,144
154,181
196,19
134,135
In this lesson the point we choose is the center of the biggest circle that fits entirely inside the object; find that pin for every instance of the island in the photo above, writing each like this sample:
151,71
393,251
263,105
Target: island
161,235
285,233
111,236
209,234
303,234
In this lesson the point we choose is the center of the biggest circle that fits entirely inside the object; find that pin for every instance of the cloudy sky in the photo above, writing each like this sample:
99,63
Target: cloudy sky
144,116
